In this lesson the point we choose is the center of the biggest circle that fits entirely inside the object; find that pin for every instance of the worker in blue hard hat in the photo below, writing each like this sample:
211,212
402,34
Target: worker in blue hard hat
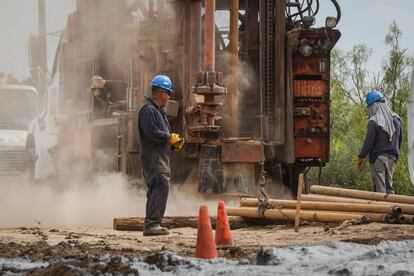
156,142
382,142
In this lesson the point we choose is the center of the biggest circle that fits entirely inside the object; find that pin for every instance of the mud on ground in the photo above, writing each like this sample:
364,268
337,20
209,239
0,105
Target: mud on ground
86,246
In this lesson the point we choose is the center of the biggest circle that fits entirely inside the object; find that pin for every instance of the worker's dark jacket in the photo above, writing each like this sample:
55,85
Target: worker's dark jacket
154,132
377,141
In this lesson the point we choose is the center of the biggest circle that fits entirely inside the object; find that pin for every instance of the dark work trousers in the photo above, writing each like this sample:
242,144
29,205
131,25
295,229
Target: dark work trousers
382,171
156,169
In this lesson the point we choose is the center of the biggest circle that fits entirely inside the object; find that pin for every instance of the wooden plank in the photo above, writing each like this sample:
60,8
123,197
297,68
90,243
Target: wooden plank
137,223
298,202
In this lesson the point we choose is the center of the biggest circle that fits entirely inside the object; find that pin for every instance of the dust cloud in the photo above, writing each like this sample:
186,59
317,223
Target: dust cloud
247,102
97,200
90,202
74,203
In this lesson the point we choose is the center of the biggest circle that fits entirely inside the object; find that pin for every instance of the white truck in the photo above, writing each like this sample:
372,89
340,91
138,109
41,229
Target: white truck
19,105
43,133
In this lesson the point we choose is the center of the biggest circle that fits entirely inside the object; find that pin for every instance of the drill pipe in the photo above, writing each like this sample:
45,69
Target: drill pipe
405,208
326,206
401,219
405,219
362,194
195,38
210,35
378,217
326,198
309,215
234,58
408,219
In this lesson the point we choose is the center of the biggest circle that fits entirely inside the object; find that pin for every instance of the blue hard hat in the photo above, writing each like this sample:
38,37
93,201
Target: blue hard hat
373,96
163,82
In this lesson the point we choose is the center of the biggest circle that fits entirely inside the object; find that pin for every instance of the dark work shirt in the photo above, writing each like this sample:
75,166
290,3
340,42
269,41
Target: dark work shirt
154,129
377,141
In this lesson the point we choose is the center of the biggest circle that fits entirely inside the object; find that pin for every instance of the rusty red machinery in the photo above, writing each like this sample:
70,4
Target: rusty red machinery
310,80
209,83
256,108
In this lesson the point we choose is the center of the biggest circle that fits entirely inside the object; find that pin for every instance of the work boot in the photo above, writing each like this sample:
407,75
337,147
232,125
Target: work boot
155,231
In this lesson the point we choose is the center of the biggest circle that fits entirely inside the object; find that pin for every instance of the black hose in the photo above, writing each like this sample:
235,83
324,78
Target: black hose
309,7
301,11
338,11
309,3
317,8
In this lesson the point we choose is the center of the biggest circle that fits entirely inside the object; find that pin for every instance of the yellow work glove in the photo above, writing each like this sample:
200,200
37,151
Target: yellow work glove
176,141
359,162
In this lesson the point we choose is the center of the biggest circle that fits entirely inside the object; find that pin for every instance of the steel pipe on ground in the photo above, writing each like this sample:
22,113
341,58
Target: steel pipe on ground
377,217
405,208
326,206
407,219
362,194
328,198
289,215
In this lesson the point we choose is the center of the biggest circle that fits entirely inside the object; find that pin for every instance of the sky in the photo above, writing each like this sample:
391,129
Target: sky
367,22
363,22
18,19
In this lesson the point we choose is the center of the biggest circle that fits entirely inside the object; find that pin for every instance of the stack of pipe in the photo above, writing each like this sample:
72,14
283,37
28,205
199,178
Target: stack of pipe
329,204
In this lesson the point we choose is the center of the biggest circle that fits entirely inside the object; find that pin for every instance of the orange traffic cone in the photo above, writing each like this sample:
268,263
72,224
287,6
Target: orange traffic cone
223,234
205,247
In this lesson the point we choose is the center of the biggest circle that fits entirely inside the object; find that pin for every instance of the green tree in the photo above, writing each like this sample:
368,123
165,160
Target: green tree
396,87
396,68
350,74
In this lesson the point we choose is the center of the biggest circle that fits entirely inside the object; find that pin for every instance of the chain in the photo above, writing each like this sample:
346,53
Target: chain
262,196
268,104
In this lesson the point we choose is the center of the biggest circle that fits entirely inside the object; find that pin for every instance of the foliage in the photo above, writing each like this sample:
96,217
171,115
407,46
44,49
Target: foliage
349,72
395,84
350,82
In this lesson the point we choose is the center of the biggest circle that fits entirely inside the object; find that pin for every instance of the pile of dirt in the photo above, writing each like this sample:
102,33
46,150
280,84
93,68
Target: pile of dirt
338,258
82,265
257,250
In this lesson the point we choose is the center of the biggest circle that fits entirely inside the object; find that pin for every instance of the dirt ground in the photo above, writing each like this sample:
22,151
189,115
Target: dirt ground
44,243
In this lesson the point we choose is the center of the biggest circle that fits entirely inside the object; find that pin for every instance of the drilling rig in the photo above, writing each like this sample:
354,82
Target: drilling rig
251,81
